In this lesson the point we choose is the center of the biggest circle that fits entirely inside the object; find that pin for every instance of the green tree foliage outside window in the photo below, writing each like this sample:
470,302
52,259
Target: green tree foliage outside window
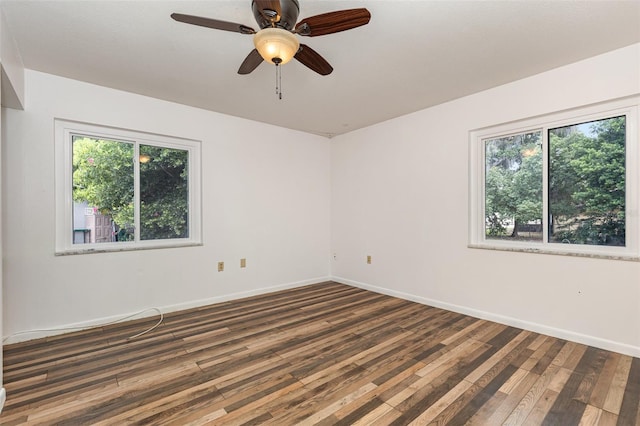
103,177
587,183
513,187
164,193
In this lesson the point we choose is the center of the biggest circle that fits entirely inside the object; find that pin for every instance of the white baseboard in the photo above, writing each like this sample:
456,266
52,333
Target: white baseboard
3,398
36,334
597,342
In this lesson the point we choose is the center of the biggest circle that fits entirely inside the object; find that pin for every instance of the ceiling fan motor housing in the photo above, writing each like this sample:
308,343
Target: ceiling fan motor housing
266,13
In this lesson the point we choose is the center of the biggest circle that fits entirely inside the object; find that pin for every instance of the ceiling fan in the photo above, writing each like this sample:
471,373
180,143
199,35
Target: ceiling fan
276,41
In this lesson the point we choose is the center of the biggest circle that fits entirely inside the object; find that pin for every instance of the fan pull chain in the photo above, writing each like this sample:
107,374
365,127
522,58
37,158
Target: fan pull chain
278,81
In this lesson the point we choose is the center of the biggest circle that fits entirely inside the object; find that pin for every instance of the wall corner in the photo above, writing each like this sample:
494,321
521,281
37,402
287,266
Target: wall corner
12,69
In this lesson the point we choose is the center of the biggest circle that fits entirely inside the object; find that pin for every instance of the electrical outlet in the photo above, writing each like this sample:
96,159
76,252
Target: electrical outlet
369,260
243,263
220,266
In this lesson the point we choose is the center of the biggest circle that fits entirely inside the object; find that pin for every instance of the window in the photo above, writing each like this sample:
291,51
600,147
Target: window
124,190
565,183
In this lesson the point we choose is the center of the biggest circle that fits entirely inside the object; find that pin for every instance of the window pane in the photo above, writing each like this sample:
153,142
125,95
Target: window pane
513,187
164,193
102,190
587,183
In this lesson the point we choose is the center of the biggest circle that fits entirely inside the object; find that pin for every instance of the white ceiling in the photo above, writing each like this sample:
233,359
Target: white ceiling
412,55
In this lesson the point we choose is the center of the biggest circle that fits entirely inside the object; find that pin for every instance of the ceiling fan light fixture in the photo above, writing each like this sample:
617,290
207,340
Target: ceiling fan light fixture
276,45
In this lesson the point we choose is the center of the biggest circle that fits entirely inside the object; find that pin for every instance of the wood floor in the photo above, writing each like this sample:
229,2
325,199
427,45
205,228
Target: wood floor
324,354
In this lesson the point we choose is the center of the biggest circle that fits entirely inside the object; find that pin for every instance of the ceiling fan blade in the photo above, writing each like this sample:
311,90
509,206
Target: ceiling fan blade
333,22
251,62
269,9
312,59
213,23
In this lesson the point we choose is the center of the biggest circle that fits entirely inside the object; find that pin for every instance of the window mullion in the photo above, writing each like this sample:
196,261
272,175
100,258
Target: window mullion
480,218
545,186
632,176
136,191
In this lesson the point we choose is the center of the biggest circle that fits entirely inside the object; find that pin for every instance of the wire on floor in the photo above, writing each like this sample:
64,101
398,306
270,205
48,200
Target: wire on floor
97,325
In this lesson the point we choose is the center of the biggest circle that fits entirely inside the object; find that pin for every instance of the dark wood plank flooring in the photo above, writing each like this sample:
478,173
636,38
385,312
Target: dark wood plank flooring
325,354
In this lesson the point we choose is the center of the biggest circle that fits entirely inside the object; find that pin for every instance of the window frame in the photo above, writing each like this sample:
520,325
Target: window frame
627,107
64,132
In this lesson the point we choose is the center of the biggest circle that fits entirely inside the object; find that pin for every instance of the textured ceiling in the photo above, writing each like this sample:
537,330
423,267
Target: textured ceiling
412,54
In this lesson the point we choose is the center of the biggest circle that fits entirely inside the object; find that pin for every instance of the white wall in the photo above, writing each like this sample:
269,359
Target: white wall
265,198
3,392
400,194
12,95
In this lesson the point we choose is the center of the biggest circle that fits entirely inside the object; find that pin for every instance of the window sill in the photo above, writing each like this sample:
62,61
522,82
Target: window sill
94,250
624,257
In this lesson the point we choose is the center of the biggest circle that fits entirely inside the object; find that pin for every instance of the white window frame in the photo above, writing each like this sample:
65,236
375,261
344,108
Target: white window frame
64,132
477,238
